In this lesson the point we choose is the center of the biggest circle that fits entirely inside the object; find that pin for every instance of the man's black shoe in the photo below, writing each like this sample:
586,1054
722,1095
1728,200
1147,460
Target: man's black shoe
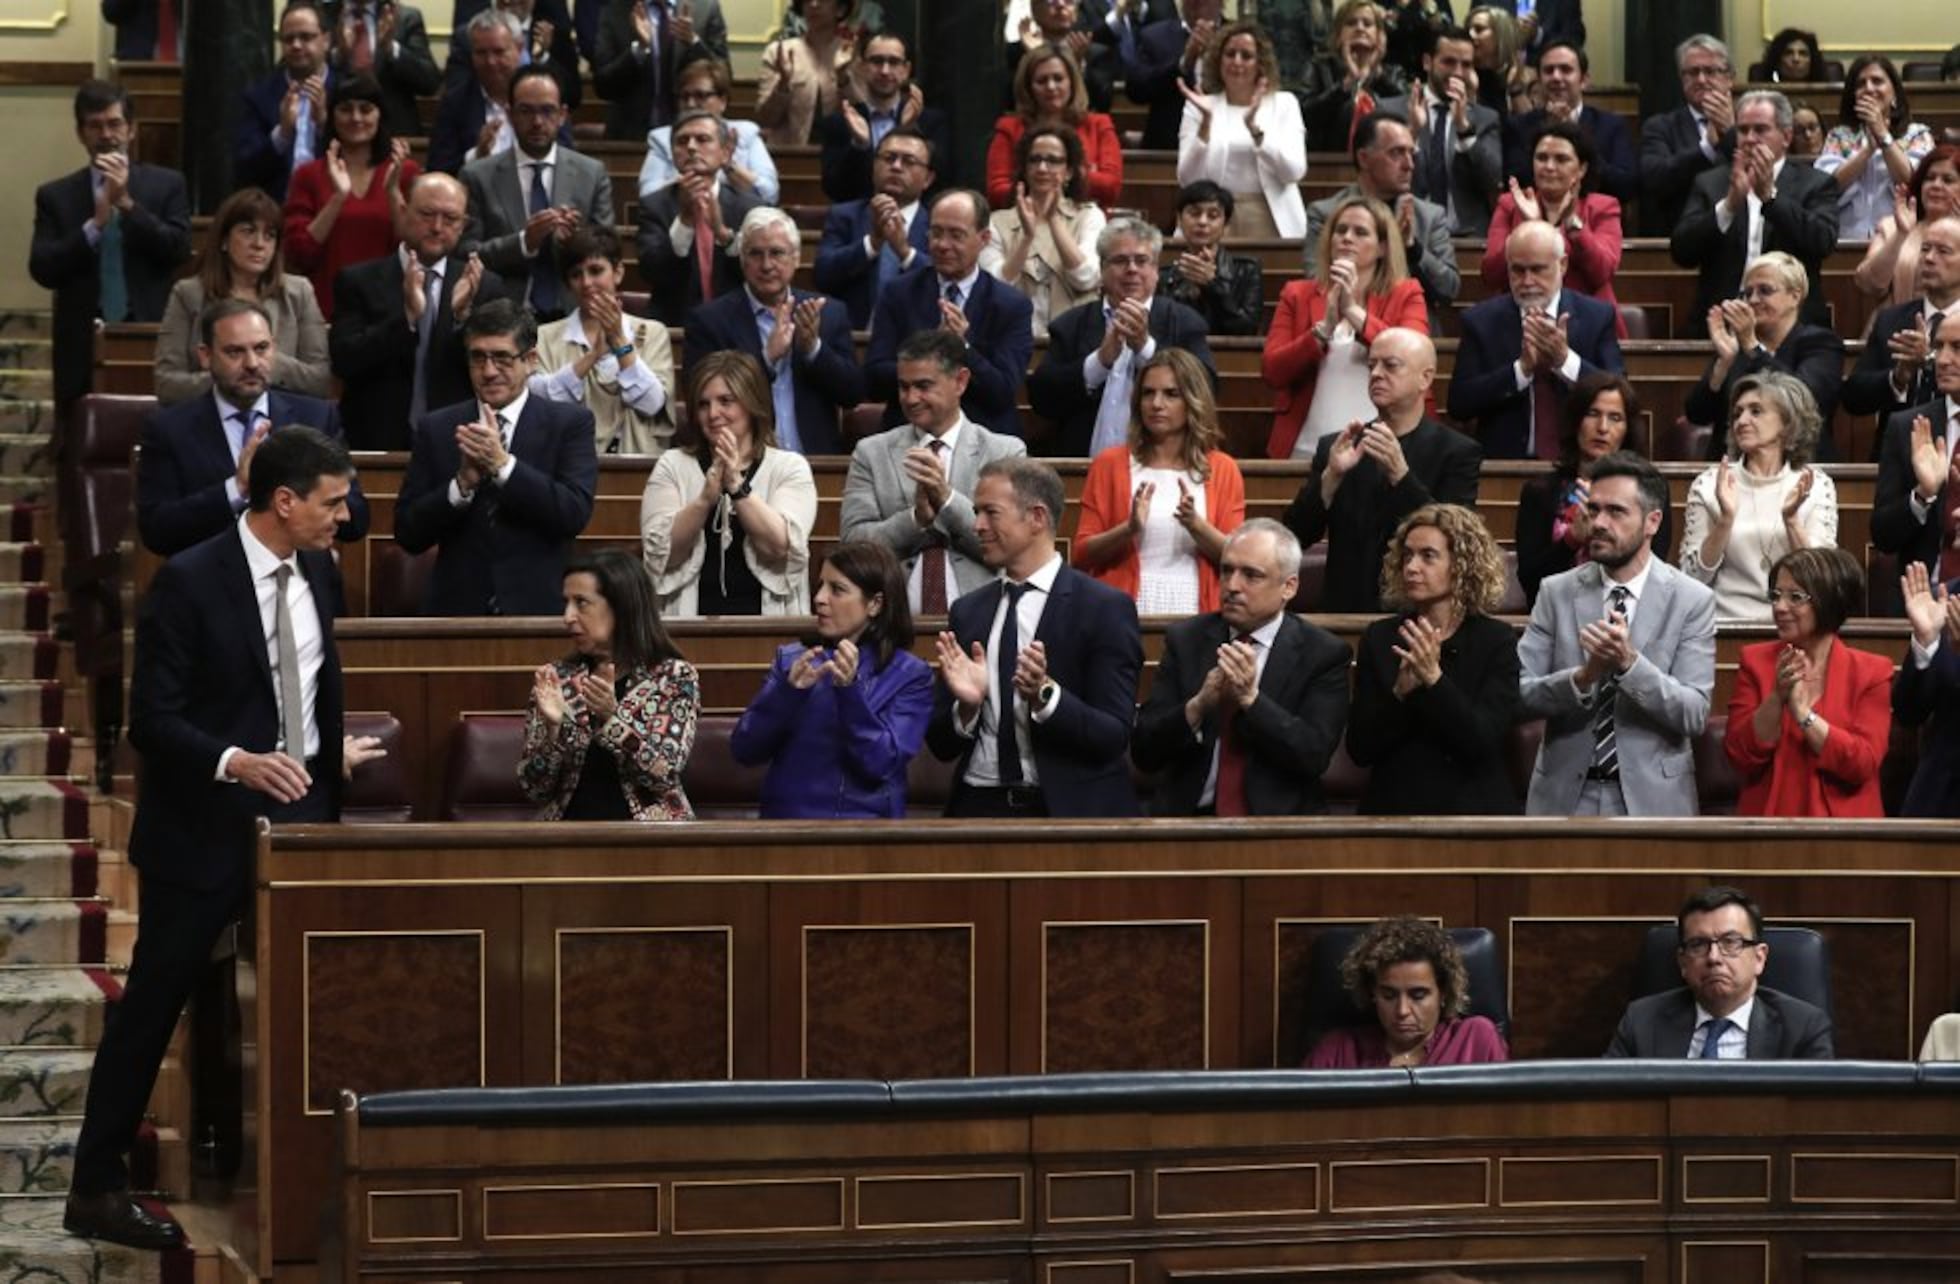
115,1215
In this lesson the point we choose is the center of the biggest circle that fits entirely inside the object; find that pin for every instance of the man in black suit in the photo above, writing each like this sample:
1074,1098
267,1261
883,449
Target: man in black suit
1721,1013
499,485
548,40
853,135
1459,141
1167,58
235,705
1038,671
637,59
687,229
390,42
197,454
1896,370
1564,75
108,238
474,119
1927,689
1369,476
1914,504
866,243
1760,202
1250,700
1679,146
280,117
803,340
142,34
1083,385
395,341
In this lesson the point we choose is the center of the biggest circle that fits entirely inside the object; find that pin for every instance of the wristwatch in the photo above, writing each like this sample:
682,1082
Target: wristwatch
623,351
1045,692
1808,718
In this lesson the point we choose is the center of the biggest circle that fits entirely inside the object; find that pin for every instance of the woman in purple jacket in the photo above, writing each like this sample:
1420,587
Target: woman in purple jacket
839,721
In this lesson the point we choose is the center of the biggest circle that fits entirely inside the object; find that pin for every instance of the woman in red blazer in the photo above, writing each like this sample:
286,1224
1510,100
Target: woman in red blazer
1810,717
1324,325
1561,168
1049,90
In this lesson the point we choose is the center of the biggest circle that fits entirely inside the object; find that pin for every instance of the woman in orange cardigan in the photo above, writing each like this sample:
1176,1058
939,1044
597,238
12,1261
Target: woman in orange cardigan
1316,358
1810,717
1156,511
1049,90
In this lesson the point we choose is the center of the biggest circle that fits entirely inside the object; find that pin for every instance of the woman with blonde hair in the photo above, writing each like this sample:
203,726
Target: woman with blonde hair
1049,90
1494,40
1247,135
1760,330
1345,83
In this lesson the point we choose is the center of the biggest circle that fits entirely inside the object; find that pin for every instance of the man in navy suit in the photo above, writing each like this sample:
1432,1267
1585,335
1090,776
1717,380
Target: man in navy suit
1896,368
499,485
235,705
1521,352
390,41
996,320
1928,687
280,118
473,120
803,340
1037,672
1167,56
1914,502
547,39
851,135
1564,74
197,454
1679,146
866,243
687,228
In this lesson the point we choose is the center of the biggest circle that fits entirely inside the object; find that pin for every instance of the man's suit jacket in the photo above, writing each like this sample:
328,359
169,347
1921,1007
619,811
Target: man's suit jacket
180,483
156,240
1671,160
1056,390
1484,387
407,73
878,498
256,159
1868,388
1894,529
1432,259
373,350
504,552
201,684
1663,698
844,273
1154,83
1613,173
561,57
1781,1028
1290,732
135,22
626,80
999,341
1476,175
1932,692
825,384
847,167
459,119
1095,649
500,205
673,278
1802,221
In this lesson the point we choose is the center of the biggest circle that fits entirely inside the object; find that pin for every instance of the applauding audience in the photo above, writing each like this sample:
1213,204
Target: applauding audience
808,76
1351,78
703,85
1760,331
1224,288
1247,136
1045,245
1874,147
687,229
620,367
1928,687
1561,194
345,207
1889,272
1048,90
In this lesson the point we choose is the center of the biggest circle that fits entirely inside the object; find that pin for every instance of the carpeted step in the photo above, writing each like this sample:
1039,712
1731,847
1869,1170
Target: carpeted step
26,385
22,563
28,655
24,352
42,809
36,751
26,489
33,1246
37,1157
36,1084
47,870
52,932
23,607
54,1007
30,703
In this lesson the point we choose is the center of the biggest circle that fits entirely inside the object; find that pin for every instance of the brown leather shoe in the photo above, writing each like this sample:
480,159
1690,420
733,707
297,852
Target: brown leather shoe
115,1215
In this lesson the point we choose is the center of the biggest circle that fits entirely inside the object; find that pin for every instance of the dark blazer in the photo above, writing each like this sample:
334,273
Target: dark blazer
180,485
1476,176
156,241
1056,390
1442,751
406,75
1894,529
1614,173
1290,733
1932,692
1235,301
373,350
626,79
1810,352
844,273
847,167
1159,69
1095,650
671,277
256,160
999,341
1868,388
1781,1028
1327,105
1671,160
135,22
459,119
561,57
825,384
1557,20
1443,468
504,552
1802,221
1484,389
1540,556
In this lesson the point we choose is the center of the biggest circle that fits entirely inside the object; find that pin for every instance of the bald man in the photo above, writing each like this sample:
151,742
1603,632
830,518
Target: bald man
1369,476
1522,351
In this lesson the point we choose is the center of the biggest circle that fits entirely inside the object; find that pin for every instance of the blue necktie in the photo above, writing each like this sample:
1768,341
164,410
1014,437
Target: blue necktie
303,133
114,284
1712,1038
544,268
953,294
782,386
1008,745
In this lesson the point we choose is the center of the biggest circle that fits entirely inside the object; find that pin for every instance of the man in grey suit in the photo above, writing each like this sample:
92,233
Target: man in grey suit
910,488
525,200
1385,168
1619,660
1459,141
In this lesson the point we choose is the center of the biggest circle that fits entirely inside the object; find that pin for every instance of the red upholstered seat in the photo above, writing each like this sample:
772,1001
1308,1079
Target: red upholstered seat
378,794
482,780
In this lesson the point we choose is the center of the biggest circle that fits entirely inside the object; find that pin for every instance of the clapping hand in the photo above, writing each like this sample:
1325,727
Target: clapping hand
1720,336
1726,490
1238,669
842,666
808,318
1798,494
1526,199
1926,603
783,333
1200,103
464,292
1930,467
964,674
1031,670
1186,512
1140,508
1421,654
547,696
1198,267
1608,649
1792,676
1740,319
595,687
1380,444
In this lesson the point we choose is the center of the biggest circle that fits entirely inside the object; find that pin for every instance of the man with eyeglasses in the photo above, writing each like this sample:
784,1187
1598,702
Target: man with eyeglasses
1679,146
548,39
1721,1012
704,87
281,116
852,135
1564,75
474,120
687,229
866,243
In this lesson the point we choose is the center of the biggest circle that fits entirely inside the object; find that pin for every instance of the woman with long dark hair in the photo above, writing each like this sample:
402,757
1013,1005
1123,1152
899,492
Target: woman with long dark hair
1874,147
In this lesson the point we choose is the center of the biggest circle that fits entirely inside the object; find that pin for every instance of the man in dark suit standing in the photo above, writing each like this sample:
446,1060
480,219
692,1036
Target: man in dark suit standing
1548,22
390,42
687,229
280,118
1250,700
868,242
1167,58
1916,503
852,135
548,40
1679,146
108,238
197,455
1896,368
396,342
500,485
146,30
1038,671
1928,689
1459,141
1721,1012
637,59
1368,477
1760,202
1564,74
235,705
803,340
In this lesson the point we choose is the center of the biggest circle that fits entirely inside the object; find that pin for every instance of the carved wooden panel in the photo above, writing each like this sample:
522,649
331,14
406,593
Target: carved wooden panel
1725,1179
1627,1181
392,1010
1872,983
1874,1179
1125,996
644,1004
1091,1197
1408,1185
573,1211
414,1216
888,1002
913,1201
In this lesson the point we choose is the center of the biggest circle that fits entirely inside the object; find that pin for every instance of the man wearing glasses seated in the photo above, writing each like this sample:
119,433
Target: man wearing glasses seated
1721,1013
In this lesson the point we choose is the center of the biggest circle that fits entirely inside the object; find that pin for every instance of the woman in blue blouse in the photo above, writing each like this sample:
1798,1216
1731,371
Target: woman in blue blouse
838,722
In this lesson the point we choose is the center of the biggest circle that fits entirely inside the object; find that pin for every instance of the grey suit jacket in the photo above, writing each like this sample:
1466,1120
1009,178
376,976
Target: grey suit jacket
1435,266
1663,701
878,497
500,205
1781,1028
1476,171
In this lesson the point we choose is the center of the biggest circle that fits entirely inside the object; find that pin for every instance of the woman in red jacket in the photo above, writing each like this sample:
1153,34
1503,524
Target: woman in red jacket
1316,358
1810,718
1049,90
1561,169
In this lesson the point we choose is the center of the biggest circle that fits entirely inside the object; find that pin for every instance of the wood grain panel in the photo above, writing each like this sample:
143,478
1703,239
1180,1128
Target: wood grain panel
1580,1181
1408,1185
915,1201
758,1207
1242,1190
1091,1197
414,1216
392,1010
608,1210
1874,1179
1125,996
1725,1179
1571,978
888,1002
1725,1262
645,1004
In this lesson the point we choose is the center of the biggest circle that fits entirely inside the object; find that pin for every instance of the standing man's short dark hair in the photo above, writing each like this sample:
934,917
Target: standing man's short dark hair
295,459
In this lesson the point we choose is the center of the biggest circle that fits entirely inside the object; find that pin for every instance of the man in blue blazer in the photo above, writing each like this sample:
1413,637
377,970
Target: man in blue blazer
197,455
282,117
1519,349
1681,144
803,340
996,320
867,242
500,485
1037,672
891,101
1928,687
1565,73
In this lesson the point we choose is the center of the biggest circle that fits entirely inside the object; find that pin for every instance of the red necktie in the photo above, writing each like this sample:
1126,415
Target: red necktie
1364,104
704,257
932,561
167,31
363,51
1229,798
1950,522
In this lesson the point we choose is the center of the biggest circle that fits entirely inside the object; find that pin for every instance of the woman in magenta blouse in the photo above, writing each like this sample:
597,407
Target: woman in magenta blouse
1410,974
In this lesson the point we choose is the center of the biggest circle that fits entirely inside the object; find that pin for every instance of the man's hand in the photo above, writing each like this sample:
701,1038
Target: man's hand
541,34
1405,217
486,138
114,168
1380,444
680,27
245,453
289,109
914,104
1608,648
1718,105
1909,347
642,25
860,127
1238,667
929,478
952,318
358,751
277,775
782,334
414,301
541,227
481,444
463,294
1131,321
808,315
384,27
1929,460
1031,670
965,675
1736,198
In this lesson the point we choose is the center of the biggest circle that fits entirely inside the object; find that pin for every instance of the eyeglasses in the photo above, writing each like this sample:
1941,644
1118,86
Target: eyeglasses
884,62
1706,73
1729,943
900,160
1039,161
1749,292
1795,597
479,359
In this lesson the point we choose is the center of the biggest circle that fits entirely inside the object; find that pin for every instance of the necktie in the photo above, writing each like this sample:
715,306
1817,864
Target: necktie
952,293
782,385
170,46
1007,744
1439,158
246,421
292,715
303,133
1606,753
663,105
932,559
363,51
1949,566
418,397
544,269
1924,389
113,283
1711,1040
704,258
503,428
1229,798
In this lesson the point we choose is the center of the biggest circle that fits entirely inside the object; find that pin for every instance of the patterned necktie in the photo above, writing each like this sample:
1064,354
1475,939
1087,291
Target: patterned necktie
1440,157
113,282
292,714
1229,797
544,268
1606,753
246,421
1711,1040
1008,745
932,559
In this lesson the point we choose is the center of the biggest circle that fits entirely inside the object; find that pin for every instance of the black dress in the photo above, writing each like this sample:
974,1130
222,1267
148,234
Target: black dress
600,795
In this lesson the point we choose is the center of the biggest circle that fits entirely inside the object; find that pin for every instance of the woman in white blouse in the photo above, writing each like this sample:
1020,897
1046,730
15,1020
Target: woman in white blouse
1762,501
1045,246
1874,147
1246,136
619,367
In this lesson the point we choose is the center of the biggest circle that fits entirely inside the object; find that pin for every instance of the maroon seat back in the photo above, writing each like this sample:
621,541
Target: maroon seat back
1716,783
481,783
378,793
719,787
398,580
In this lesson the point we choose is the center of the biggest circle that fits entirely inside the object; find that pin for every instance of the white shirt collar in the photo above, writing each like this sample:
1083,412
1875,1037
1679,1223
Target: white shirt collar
951,436
1266,634
259,559
757,305
515,410
548,160
965,283
260,409
1638,584
1740,1016
1044,575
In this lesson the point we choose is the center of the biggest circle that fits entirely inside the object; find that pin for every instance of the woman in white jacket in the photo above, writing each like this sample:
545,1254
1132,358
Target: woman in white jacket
1246,136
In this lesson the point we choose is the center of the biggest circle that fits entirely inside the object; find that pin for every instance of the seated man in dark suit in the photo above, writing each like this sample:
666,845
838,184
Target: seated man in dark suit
473,120
1927,688
1167,58
390,42
1227,290
280,117
1038,671
500,485
1521,352
197,454
852,135
803,340
1368,477
1249,701
687,229
1677,147
1564,73
995,319
1896,368
547,39
1721,1013
1083,385
868,242
1914,504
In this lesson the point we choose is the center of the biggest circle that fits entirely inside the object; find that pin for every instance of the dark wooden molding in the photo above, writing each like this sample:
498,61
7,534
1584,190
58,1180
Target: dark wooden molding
30,75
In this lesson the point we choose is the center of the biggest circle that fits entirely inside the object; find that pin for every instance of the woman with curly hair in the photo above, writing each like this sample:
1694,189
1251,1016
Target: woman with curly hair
1792,57
1436,686
1410,973
1247,135
1875,146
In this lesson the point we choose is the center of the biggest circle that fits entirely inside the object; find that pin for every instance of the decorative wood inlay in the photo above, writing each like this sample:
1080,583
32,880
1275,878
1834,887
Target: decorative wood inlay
1239,1190
1725,1262
1875,1179
388,1011
1092,1197
1293,940
758,1207
1402,1185
1875,960
1112,1271
1581,1180
888,1001
602,1210
1725,1179
1125,996
950,1199
414,1216
644,1004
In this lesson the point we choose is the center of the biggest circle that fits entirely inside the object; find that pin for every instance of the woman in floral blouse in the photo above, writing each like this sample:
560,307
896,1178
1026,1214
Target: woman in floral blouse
1874,147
